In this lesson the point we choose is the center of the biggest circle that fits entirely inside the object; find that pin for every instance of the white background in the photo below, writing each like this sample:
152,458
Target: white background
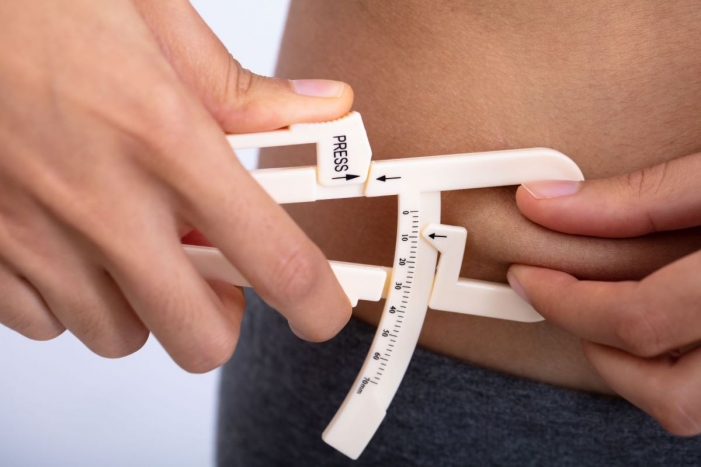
60,405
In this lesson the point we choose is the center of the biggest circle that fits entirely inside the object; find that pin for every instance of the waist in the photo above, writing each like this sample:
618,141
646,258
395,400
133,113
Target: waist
615,88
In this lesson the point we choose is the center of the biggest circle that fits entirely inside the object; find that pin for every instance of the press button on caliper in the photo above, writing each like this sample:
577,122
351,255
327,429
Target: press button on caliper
416,279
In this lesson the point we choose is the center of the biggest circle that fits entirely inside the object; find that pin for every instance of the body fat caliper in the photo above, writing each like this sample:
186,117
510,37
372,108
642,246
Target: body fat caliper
417,280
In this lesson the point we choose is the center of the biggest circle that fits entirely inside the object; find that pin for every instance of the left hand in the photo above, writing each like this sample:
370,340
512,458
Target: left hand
641,336
112,147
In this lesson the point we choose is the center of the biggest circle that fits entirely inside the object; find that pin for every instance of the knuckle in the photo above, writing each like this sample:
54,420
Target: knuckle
296,274
119,344
43,332
34,329
125,344
169,112
642,185
105,337
678,413
231,96
210,353
330,329
637,332
239,81
646,181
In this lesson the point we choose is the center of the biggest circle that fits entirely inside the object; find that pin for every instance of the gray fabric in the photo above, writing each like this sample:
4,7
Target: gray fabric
278,393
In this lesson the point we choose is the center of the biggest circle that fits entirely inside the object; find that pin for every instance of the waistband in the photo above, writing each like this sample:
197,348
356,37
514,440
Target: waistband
278,393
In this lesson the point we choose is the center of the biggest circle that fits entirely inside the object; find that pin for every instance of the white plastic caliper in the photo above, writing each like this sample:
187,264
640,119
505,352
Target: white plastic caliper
414,282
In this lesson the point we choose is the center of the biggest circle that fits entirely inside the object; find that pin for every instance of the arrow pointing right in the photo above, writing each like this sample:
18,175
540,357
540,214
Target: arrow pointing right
346,177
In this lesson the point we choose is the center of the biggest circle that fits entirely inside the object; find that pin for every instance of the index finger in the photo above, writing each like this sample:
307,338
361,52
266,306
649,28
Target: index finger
647,318
283,265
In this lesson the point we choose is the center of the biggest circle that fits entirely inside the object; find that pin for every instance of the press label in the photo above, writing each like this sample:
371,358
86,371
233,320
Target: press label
340,153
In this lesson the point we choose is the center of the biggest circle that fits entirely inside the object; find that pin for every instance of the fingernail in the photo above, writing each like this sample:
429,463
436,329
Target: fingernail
318,87
516,285
552,189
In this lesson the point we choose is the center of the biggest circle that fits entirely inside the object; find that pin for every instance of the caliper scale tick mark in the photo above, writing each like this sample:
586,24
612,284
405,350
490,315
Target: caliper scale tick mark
416,280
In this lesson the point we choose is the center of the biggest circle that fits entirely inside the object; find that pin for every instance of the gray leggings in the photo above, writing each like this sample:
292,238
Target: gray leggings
278,393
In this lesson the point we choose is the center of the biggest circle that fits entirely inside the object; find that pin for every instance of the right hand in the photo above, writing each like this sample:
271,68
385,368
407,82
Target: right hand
642,336
111,148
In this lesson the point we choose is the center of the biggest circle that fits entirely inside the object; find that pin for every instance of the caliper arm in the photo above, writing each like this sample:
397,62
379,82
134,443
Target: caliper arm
415,281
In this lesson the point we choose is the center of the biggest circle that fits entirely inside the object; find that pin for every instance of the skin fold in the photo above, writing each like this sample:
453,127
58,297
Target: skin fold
617,87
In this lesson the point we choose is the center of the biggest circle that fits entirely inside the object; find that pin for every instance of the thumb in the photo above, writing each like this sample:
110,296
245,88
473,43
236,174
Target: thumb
240,100
663,197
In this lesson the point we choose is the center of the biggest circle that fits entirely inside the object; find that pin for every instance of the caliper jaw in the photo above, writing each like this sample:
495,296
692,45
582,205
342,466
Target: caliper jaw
342,147
415,281
469,296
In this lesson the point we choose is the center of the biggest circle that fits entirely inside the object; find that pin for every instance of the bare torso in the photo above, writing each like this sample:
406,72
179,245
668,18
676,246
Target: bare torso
616,86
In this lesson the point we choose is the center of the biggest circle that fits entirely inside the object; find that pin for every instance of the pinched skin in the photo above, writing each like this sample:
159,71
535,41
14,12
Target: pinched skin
615,87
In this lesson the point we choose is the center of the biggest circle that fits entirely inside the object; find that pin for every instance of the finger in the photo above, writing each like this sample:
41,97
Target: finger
241,101
23,310
286,269
217,196
198,175
87,302
277,258
196,323
78,292
81,296
665,387
663,197
647,318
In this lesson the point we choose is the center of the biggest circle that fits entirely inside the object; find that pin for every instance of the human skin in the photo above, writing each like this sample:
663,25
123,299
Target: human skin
641,336
112,147
617,87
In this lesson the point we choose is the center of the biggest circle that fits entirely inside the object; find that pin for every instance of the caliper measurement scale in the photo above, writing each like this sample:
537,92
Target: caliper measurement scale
398,331
416,280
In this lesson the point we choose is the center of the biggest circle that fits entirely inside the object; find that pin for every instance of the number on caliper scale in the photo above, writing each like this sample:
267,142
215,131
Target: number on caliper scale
416,281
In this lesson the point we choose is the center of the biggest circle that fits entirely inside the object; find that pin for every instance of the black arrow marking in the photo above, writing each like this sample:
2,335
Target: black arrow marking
346,177
384,178
433,236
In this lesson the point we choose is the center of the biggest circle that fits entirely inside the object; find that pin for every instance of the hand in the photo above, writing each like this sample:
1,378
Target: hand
639,335
111,149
